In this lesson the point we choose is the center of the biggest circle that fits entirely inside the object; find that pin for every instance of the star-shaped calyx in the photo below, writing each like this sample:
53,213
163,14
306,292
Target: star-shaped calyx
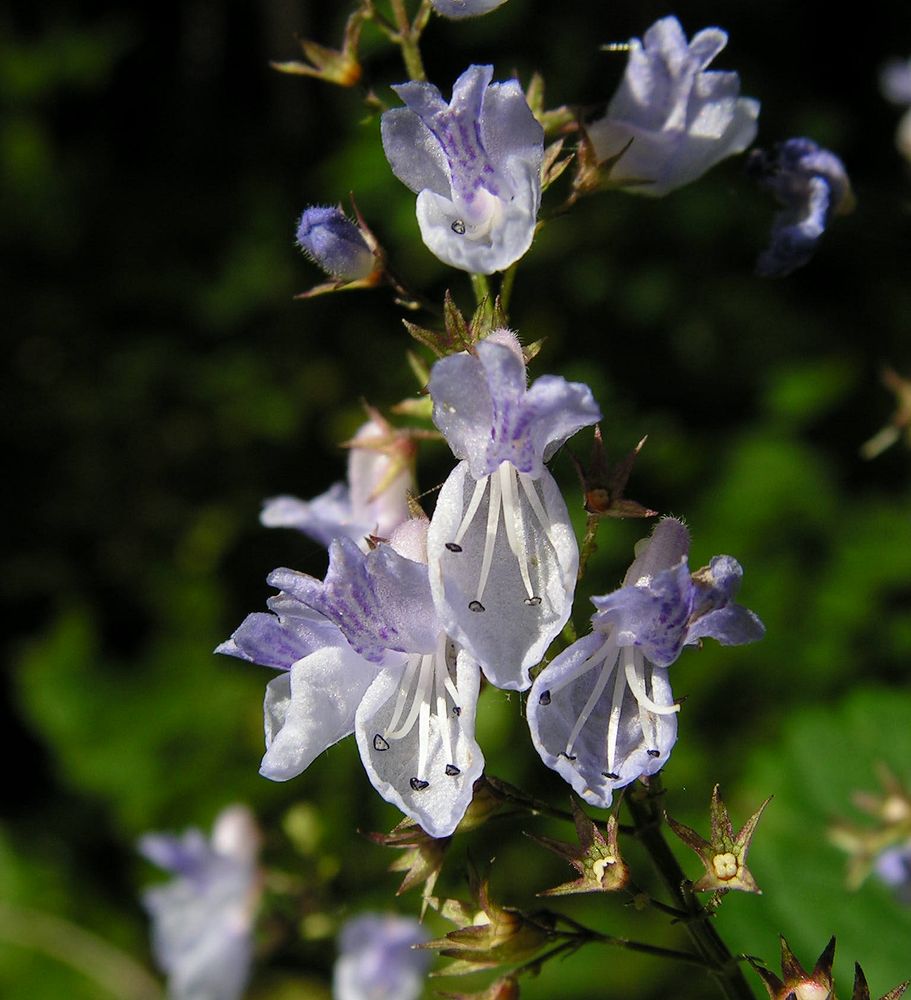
798,984
724,857
596,858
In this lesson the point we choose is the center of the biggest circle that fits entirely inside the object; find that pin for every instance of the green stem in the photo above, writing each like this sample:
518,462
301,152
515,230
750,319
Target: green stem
115,972
409,36
481,288
588,544
509,278
644,805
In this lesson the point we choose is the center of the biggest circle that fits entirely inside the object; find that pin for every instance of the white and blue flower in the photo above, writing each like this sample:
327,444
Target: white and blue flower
602,713
503,556
475,164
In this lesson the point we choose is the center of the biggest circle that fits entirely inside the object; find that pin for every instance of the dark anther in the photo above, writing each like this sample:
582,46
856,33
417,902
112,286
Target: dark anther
653,753
453,547
545,698
418,785
568,756
456,710
611,774
379,743
452,770
476,606
532,602
458,227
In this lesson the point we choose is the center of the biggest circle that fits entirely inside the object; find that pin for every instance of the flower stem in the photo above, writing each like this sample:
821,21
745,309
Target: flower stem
588,544
481,288
644,805
409,36
114,972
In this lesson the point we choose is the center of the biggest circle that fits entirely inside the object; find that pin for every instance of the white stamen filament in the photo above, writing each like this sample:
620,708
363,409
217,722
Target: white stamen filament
414,661
646,719
528,484
613,726
512,518
636,680
441,676
603,652
606,670
493,518
421,695
424,731
472,508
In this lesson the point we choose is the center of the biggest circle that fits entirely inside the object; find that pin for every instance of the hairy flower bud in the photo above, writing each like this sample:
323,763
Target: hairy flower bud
329,238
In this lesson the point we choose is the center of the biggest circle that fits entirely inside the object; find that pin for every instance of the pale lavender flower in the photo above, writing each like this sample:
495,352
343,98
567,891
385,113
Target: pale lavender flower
329,238
677,118
895,85
601,713
364,652
377,959
811,185
893,866
202,921
475,164
457,9
374,501
503,556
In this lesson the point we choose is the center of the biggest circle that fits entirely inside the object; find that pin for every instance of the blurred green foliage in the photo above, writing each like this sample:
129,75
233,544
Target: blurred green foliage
161,382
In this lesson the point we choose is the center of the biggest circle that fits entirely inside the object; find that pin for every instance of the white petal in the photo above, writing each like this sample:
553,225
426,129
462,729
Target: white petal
510,635
312,707
440,805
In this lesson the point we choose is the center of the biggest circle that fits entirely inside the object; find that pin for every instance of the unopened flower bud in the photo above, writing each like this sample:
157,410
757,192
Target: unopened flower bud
329,238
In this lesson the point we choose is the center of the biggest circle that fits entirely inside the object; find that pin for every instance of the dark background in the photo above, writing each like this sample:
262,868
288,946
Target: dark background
161,381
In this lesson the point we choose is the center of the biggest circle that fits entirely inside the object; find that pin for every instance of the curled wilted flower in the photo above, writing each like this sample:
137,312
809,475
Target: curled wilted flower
377,959
475,165
677,118
329,238
811,185
601,713
202,921
502,552
457,9
364,652
374,501
895,85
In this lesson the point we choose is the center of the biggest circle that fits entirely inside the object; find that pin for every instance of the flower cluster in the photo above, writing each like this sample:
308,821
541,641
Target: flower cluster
392,643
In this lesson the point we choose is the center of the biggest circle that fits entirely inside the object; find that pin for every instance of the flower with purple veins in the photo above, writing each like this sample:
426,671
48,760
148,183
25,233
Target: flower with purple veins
601,713
202,921
503,556
364,652
672,118
374,501
475,165
331,240
811,185
378,961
